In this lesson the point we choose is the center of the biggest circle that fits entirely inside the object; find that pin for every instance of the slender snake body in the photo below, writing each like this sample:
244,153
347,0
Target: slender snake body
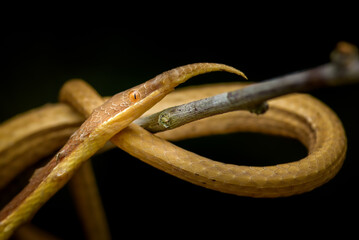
298,115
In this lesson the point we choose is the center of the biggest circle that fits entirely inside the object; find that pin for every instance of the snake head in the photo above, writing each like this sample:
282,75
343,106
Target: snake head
152,91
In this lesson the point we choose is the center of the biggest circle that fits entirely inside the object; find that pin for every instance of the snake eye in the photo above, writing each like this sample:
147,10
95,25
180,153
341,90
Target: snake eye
134,96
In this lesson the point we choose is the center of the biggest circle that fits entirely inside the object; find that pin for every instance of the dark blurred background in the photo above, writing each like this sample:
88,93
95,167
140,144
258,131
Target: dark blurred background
36,64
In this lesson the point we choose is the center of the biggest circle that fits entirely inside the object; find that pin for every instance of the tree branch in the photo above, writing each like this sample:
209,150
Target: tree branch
343,69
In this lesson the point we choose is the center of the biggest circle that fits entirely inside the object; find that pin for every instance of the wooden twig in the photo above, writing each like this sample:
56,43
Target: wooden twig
343,69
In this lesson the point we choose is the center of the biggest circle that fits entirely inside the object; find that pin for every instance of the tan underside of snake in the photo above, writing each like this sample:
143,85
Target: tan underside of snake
298,116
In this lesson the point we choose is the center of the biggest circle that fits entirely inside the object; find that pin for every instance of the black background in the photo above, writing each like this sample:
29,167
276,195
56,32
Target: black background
140,199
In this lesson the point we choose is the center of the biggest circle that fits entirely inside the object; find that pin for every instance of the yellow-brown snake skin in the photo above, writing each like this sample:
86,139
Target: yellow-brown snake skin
298,116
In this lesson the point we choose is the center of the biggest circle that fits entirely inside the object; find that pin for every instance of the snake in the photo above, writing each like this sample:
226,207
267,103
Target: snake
299,116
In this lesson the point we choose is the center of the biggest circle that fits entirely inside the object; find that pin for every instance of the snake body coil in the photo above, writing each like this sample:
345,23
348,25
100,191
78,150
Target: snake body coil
298,116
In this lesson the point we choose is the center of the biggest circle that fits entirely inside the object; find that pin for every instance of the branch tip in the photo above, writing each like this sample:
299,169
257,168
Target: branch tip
344,54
